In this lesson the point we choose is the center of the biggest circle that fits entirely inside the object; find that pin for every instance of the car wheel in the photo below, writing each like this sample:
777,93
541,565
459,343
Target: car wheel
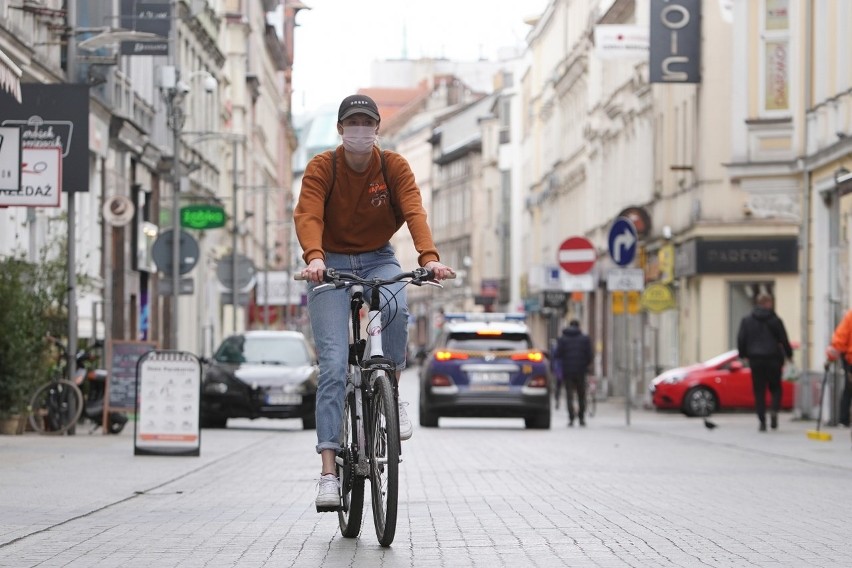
699,401
214,421
538,422
309,422
428,419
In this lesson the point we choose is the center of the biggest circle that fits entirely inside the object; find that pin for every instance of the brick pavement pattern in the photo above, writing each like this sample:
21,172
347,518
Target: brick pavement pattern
662,491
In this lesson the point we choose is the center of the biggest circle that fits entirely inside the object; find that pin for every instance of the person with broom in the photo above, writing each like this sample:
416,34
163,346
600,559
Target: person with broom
841,348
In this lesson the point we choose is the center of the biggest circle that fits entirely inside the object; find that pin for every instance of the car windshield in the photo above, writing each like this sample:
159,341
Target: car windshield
475,342
290,351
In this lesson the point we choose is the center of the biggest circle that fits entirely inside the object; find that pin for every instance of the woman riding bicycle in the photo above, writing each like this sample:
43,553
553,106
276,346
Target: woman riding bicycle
351,203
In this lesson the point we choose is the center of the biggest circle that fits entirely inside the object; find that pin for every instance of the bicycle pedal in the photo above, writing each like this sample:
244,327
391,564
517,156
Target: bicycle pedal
328,509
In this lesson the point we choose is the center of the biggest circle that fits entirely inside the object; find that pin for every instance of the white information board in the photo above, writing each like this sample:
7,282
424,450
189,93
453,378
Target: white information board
168,404
40,179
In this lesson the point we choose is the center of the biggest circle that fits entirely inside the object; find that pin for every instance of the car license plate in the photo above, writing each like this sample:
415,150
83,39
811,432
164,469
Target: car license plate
489,388
283,398
489,378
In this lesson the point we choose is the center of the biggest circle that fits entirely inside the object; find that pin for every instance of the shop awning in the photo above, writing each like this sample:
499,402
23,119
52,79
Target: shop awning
10,77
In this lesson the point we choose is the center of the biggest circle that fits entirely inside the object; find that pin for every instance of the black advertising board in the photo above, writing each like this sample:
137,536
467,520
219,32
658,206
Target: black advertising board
675,41
778,255
150,17
124,356
55,116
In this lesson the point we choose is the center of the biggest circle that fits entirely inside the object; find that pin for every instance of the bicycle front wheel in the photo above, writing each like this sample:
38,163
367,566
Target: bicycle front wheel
56,407
384,459
352,485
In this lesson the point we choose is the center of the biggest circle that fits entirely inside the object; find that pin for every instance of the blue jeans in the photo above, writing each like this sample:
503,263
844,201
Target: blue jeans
329,312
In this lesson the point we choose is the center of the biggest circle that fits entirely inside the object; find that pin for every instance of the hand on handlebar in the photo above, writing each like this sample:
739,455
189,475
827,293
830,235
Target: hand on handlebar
441,271
314,272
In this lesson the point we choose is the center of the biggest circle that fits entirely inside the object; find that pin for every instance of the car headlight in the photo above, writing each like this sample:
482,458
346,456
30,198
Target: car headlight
215,387
671,380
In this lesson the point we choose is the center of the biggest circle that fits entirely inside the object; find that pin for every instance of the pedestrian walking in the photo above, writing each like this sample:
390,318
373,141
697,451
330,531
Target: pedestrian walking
841,348
574,353
556,371
762,341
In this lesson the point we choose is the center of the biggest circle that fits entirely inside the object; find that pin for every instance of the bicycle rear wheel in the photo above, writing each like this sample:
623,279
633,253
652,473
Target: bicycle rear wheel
384,459
352,485
56,407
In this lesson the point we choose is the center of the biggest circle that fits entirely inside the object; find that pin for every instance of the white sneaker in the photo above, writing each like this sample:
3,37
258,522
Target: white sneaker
328,496
405,429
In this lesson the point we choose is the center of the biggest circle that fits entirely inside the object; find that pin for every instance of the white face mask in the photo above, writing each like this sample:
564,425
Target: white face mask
359,139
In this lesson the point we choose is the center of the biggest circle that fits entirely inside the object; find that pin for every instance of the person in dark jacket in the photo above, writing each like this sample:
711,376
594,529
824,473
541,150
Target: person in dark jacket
574,352
762,341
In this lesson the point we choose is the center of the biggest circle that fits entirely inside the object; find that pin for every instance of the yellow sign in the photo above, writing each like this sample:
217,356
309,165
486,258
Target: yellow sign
617,302
666,260
625,301
633,303
658,298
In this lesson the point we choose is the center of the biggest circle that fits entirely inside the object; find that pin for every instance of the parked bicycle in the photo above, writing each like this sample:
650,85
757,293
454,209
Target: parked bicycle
369,441
56,406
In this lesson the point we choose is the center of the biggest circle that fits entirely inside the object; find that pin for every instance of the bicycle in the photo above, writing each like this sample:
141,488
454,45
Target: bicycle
369,440
56,406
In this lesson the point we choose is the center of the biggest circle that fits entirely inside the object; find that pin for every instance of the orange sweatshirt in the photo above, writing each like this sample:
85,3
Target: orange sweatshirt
359,217
842,338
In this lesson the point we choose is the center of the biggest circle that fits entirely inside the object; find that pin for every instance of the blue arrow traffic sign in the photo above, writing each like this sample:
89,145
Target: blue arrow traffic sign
622,241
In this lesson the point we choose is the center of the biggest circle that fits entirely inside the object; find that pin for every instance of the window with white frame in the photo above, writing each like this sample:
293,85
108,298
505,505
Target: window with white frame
775,57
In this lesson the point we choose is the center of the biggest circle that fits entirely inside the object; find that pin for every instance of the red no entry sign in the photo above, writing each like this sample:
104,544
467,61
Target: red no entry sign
576,255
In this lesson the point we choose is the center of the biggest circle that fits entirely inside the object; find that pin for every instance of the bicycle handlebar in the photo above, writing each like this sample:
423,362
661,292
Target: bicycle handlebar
340,279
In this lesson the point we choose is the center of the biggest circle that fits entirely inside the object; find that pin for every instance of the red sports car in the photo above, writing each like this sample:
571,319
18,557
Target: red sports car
722,382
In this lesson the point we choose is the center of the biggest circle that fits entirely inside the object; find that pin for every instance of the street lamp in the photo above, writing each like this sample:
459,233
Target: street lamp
174,92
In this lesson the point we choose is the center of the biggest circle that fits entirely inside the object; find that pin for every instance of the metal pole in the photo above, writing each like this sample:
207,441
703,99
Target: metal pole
174,109
265,263
175,222
291,265
234,291
71,194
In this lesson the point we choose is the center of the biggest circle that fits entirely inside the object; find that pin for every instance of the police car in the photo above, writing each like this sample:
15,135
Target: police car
485,365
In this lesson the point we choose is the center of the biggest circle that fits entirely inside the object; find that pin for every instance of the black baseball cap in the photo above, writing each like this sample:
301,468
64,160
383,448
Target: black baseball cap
355,104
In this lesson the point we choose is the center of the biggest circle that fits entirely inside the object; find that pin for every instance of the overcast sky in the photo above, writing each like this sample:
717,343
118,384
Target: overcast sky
337,40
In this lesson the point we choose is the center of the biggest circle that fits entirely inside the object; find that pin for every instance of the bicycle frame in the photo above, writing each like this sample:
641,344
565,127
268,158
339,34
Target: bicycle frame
365,371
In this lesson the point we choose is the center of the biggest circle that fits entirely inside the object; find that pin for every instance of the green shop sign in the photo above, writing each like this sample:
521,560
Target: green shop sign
202,217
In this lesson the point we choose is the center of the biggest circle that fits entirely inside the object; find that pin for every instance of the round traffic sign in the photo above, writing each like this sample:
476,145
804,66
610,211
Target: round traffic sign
622,241
188,252
242,265
576,255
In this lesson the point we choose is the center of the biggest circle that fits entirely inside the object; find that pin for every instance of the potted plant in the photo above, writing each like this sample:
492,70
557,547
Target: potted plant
32,304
